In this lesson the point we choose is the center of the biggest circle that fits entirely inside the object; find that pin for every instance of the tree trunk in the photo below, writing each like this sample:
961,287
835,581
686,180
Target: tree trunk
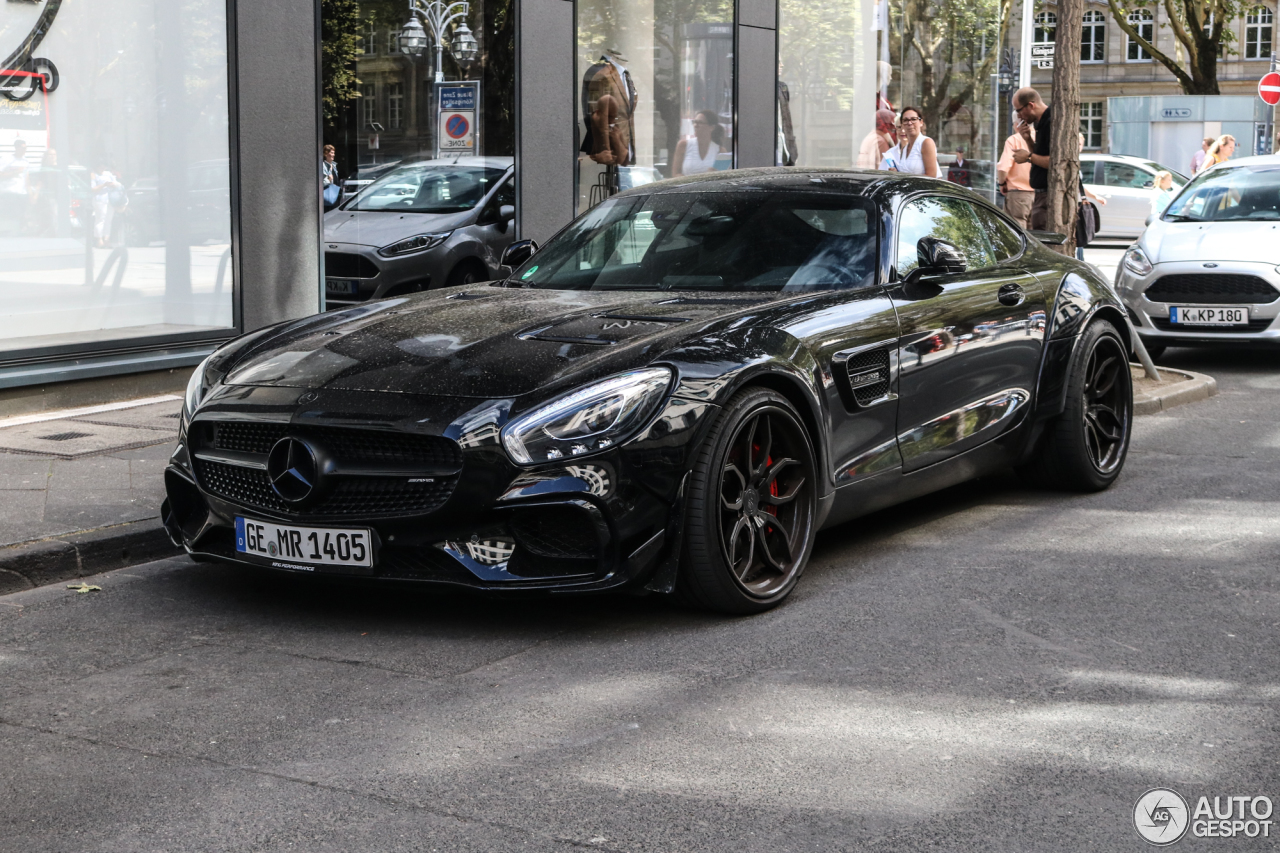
1064,142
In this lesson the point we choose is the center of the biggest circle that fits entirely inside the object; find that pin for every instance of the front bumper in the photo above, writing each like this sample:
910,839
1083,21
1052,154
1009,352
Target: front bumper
1151,316
591,524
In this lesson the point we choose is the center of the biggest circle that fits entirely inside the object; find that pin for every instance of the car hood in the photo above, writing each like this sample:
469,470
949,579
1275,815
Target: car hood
1250,242
481,342
379,228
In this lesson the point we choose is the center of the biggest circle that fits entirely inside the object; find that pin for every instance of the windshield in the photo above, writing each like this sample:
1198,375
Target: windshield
720,241
427,188
1241,194
1179,179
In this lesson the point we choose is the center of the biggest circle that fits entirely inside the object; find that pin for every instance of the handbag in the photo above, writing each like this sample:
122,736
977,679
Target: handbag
332,192
1086,224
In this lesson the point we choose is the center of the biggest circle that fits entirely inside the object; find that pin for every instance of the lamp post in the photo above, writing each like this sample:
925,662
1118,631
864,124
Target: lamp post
438,15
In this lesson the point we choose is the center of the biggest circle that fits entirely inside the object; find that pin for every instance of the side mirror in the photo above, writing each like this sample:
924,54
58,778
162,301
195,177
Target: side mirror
1148,185
506,213
518,252
1151,217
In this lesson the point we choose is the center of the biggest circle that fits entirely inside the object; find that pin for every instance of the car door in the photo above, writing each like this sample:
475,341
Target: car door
971,342
1128,196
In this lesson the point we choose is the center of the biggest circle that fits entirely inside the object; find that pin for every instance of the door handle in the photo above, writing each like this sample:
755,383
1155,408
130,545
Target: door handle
1011,295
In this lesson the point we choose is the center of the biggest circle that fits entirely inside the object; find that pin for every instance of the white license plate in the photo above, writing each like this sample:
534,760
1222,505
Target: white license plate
304,548
1190,315
340,287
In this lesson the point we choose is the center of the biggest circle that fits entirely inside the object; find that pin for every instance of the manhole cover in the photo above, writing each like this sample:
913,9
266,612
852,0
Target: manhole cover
64,436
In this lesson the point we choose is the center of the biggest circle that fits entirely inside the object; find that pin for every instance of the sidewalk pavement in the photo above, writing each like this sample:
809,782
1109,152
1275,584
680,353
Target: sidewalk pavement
81,492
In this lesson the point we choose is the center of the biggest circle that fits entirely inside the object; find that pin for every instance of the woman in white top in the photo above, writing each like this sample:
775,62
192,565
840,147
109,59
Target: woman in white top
915,153
101,185
697,153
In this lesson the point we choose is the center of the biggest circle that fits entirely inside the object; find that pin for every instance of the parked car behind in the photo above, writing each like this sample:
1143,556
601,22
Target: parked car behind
1127,184
1204,273
433,223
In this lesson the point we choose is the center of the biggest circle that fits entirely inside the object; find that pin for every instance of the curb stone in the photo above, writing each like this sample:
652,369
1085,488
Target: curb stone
28,565
1191,388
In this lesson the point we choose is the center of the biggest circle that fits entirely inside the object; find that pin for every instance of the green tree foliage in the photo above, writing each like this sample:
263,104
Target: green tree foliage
340,30
1199,31
953,46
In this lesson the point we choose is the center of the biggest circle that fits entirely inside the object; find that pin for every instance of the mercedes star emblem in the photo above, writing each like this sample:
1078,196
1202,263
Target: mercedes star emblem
293,469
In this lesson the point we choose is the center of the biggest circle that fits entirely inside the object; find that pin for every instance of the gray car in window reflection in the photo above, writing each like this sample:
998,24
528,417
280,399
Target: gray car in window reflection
434,223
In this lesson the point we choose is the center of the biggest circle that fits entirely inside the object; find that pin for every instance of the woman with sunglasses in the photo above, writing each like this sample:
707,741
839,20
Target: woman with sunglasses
697,153
915,153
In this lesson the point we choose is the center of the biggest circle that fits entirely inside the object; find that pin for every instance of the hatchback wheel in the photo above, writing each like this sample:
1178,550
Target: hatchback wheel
751,501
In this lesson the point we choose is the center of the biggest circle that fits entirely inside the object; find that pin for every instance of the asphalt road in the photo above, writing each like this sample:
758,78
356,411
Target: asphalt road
990,668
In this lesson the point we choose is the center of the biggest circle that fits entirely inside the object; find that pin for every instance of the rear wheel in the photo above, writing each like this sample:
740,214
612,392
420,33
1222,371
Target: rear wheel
1084,449
751,500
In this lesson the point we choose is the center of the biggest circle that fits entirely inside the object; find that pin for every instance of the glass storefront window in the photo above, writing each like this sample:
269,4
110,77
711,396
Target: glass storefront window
115,199
424,162
848,69
655,96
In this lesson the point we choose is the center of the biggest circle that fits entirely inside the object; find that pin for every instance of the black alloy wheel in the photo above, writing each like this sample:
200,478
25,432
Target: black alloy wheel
468,272
751,504
1084,449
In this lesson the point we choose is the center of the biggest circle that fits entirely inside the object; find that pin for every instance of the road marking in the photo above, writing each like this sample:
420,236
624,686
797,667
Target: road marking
19,420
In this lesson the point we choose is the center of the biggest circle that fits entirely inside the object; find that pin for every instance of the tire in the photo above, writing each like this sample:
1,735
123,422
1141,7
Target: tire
768,509
1084,449
467,272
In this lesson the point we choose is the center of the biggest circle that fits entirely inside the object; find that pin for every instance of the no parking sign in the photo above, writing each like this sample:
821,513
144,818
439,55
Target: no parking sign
457,111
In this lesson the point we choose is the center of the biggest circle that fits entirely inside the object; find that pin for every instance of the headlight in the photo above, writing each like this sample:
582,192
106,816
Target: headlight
588,420
196,389
420,243
1136,262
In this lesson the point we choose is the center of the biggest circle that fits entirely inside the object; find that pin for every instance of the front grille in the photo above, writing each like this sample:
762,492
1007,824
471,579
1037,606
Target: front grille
557,532
346,265
869,376
368,496
1163,324
1215,288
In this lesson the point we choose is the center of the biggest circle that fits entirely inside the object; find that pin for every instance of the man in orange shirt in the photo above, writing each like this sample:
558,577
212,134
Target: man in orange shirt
1014,180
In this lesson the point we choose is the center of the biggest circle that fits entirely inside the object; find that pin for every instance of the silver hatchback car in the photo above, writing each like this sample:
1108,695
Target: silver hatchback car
433,223
1205,273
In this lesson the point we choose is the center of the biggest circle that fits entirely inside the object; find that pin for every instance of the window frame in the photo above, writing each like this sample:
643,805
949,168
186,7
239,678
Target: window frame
1046,25
1254,27
1095,23
895,238
1144,21
395,106
1097,113
368,104
369,40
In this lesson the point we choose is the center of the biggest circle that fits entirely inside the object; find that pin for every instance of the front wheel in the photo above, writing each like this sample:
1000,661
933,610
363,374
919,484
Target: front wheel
751,503
1085,448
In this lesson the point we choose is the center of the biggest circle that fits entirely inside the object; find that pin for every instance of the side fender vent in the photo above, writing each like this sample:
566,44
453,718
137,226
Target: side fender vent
865,375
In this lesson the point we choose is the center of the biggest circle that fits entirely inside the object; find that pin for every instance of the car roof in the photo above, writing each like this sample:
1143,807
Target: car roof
1260,160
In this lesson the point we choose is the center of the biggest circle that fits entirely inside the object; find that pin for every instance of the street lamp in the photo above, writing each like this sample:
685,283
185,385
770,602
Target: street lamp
438,16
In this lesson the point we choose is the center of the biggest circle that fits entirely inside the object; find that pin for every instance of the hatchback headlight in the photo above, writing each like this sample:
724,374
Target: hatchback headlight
1135,260
197,386
588,420
420,243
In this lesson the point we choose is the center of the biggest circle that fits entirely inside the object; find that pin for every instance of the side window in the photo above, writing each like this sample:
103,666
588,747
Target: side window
1006,242
949,219
1123,175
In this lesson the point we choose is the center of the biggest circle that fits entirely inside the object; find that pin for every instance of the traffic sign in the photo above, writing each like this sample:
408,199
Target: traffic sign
458,118
1269,88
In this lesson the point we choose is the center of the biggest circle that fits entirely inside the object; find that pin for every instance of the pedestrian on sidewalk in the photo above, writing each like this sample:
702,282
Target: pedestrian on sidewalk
329,177
915,153
1219,152
108,196
1164,194
1036,130
1197,159
1014,180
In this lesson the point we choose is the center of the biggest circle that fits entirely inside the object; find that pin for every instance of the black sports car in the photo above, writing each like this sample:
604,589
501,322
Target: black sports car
676,393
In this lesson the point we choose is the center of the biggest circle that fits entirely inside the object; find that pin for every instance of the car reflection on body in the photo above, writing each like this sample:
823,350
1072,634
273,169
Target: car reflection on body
431,223
1204,273
675,394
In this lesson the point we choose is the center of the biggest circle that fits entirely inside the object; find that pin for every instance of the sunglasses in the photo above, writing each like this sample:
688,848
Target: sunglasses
908,120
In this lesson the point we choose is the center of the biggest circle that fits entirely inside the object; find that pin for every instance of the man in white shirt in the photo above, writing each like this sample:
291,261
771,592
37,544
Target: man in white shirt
14,170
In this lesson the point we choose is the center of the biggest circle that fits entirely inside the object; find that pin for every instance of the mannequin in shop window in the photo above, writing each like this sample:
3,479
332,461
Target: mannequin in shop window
608,103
